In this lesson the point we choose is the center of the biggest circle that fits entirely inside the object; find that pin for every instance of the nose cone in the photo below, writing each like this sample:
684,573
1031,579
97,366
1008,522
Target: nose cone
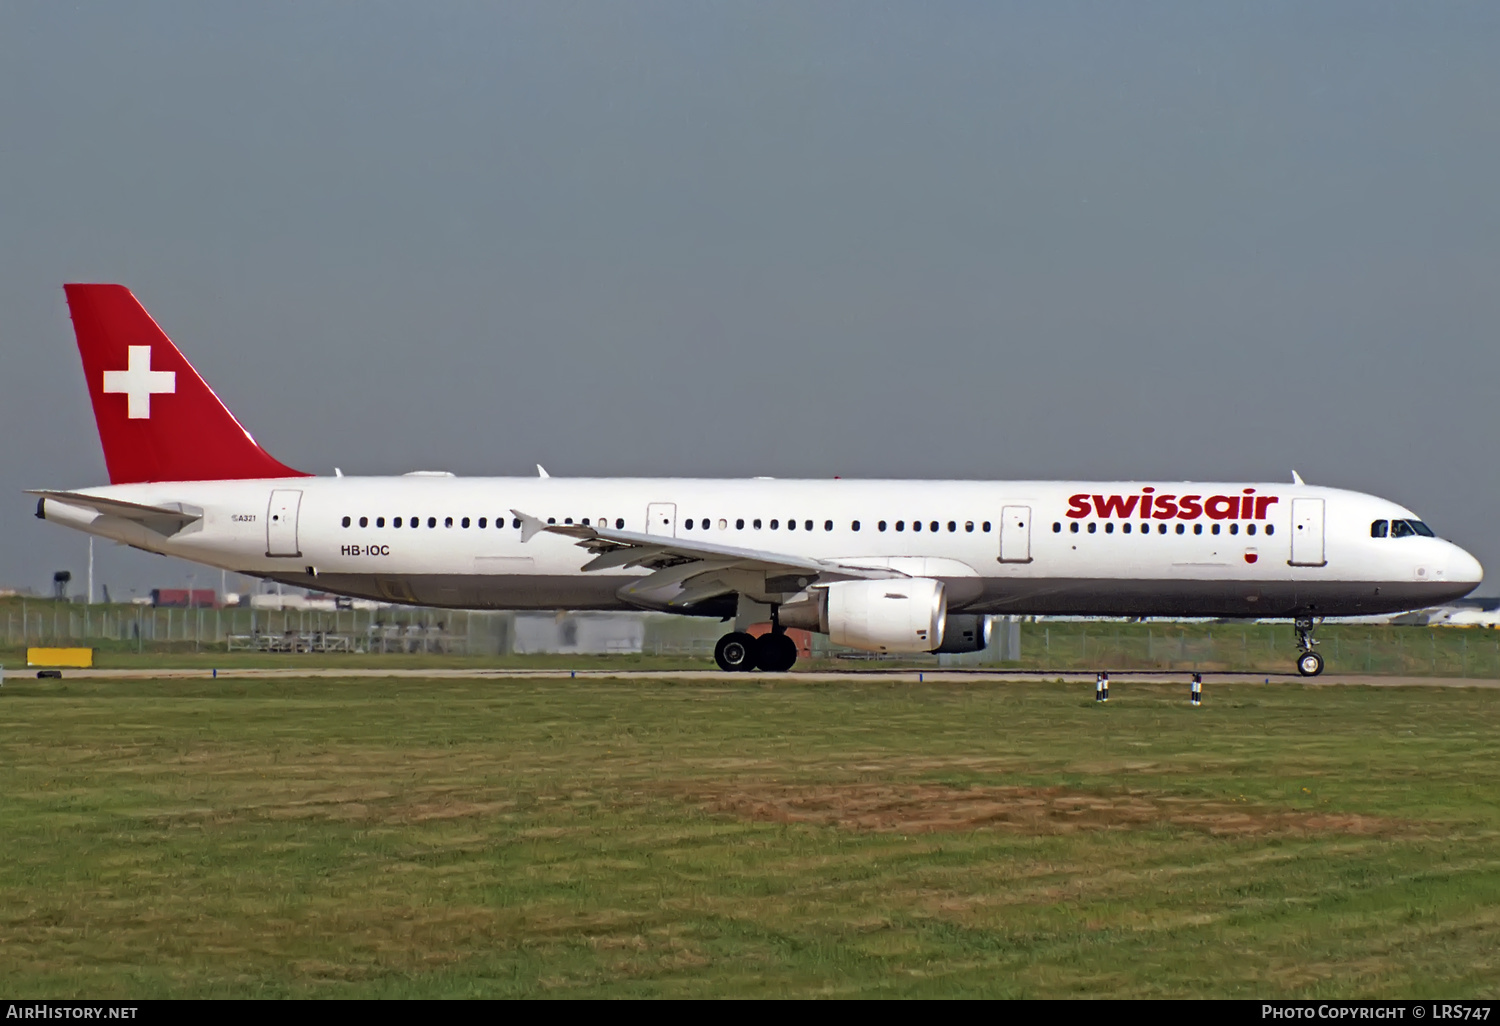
1464,568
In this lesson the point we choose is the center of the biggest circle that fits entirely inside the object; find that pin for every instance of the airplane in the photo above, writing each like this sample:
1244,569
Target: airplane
886,566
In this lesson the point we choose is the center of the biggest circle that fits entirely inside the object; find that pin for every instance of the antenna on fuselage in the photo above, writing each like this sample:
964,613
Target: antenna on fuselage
1297,478
541,471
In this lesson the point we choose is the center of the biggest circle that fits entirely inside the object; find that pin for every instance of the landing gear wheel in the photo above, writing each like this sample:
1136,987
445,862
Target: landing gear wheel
775,652
736,652
1309,664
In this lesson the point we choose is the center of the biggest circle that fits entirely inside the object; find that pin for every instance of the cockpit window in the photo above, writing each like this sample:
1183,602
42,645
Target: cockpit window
1421,528
1380,528
1402,529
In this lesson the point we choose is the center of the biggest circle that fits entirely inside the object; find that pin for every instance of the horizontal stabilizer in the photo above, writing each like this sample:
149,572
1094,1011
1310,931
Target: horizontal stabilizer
164,520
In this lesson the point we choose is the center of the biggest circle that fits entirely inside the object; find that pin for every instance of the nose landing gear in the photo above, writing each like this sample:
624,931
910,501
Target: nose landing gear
1309,663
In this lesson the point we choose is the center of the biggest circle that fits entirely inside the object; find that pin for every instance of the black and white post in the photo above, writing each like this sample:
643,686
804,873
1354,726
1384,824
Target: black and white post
1196,696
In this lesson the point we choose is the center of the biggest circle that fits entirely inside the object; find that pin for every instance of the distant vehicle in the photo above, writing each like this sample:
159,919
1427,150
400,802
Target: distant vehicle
883,566
198,598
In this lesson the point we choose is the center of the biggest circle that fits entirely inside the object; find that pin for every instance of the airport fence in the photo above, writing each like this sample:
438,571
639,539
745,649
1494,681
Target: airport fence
1032,645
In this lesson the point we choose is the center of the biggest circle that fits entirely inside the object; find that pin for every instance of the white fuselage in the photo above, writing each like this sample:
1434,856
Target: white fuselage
999,547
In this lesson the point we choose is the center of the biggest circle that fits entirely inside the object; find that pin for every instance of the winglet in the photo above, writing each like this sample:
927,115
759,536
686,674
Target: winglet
1297,478
530,525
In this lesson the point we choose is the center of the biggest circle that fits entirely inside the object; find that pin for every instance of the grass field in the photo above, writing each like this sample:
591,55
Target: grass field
410,838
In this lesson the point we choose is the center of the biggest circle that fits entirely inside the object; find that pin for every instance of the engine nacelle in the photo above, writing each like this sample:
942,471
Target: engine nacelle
898,615
965,632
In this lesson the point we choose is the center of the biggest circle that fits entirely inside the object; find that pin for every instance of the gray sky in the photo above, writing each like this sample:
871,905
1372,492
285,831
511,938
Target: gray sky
919,240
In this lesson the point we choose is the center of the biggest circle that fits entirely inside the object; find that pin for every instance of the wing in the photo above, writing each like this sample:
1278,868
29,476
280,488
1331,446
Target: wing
686,571
164,520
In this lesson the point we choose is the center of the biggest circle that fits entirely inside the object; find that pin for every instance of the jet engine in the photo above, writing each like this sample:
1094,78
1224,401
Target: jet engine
903,614
965,632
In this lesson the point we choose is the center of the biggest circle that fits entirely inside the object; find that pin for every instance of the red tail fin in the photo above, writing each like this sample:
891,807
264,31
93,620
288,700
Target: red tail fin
157,418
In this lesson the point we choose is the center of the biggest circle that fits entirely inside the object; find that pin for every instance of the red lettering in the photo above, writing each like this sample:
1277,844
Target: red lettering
1166,507
1247,506
1114,505
1146,504
1261,505
1078,506
1190,507
1222,507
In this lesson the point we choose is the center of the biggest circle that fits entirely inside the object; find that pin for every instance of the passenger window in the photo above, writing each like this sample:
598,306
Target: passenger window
1056,527
484,522
916,525
1270,529
774,523
791,525
755,523
1216,529
619,523
395,521
1401,529
880,526
739,525
854,526
986,527
380,521
969,526
953,527
807,525
346,521
584,522
464,522
933,526
688,524
1182,528
1160,528
567,520
364,521
1249,528
1197,528
431,522
1093,527
828,525
1073,527
1109,527
901,525
1123,527
1234,528
551,520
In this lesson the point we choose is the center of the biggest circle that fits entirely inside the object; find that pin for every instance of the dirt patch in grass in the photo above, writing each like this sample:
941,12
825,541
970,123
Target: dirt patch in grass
938,808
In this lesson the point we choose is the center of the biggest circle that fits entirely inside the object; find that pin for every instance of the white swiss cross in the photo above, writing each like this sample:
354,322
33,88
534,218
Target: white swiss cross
139,381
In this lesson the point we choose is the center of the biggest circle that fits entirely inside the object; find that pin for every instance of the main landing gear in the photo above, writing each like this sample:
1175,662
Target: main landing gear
773,651
1309,663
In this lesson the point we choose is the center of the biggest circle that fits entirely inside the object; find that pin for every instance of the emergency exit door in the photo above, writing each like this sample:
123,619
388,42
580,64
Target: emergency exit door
661,518
1015,534
1307,533
281,523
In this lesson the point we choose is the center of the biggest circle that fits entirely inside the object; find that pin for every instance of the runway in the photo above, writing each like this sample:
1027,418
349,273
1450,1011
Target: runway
1123,678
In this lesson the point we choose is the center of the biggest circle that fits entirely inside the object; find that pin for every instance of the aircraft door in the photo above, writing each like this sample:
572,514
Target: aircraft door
1307,533
1015,534
661,518
281,522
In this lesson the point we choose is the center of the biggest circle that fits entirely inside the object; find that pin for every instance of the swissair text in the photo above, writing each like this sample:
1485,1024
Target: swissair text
1150,506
